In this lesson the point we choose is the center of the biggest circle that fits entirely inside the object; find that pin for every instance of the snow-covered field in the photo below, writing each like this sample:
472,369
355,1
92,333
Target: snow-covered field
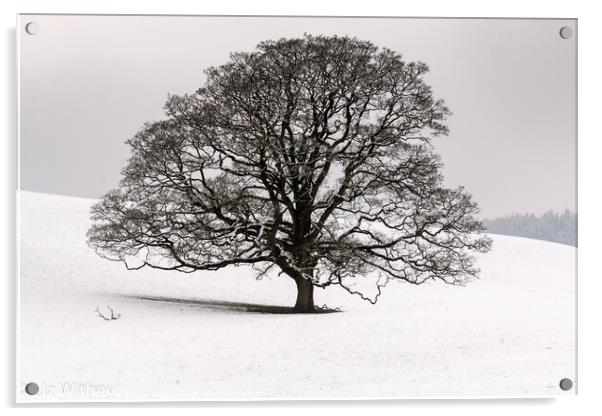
209,336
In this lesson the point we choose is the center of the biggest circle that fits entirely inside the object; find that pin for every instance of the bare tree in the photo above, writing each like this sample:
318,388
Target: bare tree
311,156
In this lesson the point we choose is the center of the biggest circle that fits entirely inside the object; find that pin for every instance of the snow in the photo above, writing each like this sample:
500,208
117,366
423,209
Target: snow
224,334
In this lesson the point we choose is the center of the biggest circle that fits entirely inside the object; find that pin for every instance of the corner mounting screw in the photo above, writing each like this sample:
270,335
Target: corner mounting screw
32,389
566,384
31,28
566,32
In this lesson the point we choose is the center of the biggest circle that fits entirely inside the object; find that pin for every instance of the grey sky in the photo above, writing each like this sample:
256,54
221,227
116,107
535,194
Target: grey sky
90,82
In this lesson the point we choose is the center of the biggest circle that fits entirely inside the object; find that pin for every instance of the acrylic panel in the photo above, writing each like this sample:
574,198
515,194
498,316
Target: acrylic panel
254,208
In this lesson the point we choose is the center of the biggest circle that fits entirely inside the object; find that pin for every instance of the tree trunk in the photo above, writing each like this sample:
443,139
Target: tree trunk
305,296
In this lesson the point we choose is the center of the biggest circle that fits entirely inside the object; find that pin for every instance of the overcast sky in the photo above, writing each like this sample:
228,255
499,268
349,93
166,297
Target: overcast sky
88,83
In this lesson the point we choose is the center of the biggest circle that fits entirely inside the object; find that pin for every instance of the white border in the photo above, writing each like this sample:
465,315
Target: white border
589,172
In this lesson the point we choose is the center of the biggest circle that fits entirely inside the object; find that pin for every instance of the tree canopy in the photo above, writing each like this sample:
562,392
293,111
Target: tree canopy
310,156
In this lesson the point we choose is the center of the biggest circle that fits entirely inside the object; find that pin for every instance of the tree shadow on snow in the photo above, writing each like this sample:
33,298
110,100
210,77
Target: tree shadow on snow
229,307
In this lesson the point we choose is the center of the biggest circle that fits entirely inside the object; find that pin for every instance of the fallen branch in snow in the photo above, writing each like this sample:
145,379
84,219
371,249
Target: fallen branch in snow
111,317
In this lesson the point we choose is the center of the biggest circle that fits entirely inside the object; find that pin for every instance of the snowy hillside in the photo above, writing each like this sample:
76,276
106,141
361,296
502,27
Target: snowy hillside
220,335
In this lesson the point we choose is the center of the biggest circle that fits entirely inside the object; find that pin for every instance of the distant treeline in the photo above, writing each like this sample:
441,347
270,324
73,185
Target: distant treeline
551,226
